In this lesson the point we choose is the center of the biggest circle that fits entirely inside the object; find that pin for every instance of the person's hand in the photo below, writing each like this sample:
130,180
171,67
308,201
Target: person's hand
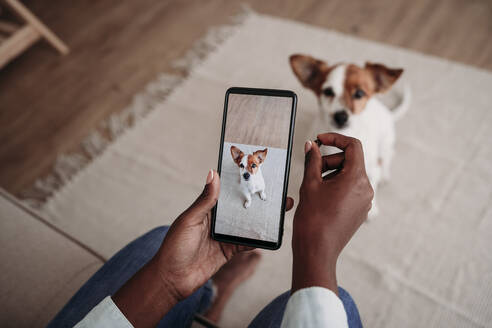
330,210
187,258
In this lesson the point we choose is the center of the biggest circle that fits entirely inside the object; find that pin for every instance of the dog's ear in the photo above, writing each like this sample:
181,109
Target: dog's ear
237,155
310,71
261,154
383,76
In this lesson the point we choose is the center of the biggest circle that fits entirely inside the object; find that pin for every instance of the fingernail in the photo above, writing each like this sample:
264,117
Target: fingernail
210,176
307,146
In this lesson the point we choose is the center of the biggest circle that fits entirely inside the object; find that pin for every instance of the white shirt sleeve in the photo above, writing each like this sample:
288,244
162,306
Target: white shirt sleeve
105,315
308,307
314,307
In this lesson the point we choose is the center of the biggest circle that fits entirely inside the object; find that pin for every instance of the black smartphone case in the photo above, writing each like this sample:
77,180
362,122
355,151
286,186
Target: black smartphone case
247,241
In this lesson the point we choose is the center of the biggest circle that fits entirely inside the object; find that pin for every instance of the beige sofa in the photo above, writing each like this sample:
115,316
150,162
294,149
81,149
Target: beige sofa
41,267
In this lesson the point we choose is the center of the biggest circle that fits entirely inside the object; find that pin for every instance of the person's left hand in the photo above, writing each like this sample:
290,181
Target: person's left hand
187,258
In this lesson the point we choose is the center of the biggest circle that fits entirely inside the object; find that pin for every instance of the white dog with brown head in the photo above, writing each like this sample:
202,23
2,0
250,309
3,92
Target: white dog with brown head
347,105
250,177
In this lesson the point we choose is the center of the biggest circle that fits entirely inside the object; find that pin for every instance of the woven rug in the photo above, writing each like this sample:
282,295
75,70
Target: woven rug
425,261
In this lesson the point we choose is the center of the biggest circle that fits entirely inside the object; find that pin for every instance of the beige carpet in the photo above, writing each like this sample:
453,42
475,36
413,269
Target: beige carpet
426,261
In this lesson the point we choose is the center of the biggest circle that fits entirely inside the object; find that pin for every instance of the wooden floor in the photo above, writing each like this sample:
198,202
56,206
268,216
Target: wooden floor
258,120
49,103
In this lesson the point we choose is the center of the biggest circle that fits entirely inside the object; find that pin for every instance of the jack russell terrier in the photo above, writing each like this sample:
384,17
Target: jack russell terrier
347,105
250,177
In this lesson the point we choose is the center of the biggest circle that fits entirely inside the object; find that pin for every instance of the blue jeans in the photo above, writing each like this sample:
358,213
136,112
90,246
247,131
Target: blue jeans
124,264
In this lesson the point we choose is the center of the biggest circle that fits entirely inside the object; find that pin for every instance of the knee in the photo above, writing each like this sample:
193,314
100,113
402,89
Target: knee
152,240
353,316
154,236
159,231
347,300
343,294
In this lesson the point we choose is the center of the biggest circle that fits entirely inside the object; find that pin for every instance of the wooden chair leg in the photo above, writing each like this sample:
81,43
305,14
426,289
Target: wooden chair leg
8,27
44,31
17,43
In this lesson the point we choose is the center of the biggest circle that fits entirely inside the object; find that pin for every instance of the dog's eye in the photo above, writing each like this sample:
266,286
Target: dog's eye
329,92
253,165
359,94
241,166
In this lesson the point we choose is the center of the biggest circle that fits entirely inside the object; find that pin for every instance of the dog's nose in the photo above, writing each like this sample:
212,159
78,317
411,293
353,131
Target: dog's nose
246,176
340,118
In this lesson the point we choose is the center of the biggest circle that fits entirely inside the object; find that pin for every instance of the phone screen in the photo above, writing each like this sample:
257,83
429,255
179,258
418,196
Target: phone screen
253,165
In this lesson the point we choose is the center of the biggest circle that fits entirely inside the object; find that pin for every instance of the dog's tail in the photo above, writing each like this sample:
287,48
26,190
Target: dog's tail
404,104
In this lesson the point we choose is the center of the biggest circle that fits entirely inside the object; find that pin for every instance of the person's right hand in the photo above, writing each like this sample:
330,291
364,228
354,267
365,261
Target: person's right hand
330,210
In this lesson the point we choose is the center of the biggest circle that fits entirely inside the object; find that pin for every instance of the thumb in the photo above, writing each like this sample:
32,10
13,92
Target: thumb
312,162
208,198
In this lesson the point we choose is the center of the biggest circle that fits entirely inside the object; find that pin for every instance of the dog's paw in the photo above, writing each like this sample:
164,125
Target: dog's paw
247,203
263,195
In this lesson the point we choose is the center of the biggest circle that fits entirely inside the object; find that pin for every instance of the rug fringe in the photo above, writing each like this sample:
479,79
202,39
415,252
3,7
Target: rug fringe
69,165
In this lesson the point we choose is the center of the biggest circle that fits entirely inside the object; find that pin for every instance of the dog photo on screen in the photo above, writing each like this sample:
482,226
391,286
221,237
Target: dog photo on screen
253,166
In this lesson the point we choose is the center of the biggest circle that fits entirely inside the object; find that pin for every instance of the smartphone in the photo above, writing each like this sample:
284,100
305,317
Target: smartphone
254,162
